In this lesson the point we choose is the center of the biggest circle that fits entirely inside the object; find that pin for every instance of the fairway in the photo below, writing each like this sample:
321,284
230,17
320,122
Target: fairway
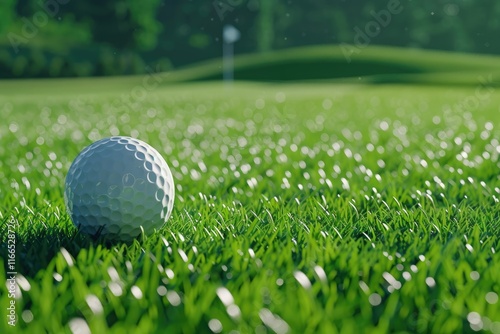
299,208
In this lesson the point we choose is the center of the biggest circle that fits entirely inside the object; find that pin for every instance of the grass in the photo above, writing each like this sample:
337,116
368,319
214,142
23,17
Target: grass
300,208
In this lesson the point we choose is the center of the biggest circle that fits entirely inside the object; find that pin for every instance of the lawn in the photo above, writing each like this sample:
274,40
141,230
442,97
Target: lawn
300,208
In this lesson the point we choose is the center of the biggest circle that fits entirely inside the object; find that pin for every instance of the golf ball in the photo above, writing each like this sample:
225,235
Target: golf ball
118,185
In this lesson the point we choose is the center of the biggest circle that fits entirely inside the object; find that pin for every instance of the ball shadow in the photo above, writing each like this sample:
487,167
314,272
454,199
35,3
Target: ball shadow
34,251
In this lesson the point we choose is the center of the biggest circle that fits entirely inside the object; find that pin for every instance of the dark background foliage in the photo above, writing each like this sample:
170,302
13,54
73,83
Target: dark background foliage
53,38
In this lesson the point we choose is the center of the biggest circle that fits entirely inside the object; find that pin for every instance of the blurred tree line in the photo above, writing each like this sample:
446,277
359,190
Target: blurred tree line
52,38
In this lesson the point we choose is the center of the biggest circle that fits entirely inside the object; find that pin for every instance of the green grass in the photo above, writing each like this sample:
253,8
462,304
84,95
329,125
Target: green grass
311,208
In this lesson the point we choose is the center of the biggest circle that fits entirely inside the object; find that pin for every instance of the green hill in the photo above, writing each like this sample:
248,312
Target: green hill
373,64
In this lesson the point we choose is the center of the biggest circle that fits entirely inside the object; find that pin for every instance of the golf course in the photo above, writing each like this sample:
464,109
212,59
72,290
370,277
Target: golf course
314,196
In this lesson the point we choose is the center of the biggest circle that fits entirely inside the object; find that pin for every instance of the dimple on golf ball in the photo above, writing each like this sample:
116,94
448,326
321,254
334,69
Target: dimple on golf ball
118,185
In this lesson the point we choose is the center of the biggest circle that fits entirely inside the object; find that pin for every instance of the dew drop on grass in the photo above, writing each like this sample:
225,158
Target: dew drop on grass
67,257
474,275
79,326
183,255
225,296
375,299
430,282
94,304
320,272
491,297
27,316
302,279
23,283
161,290
392,280
173,298
364,287
170,273
115,288
278,325
474,318
233,311
215,325
113,274
136,292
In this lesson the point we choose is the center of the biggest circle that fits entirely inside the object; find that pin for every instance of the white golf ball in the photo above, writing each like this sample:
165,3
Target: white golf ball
118,185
